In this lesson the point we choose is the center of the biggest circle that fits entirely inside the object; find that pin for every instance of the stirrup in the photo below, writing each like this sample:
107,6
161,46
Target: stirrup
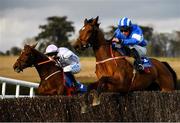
140,67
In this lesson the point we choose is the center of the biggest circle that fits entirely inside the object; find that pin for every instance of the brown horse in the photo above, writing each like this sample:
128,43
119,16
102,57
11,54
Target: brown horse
52,76
113,70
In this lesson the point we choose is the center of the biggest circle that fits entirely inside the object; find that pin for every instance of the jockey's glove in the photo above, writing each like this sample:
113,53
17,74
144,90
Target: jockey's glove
116,45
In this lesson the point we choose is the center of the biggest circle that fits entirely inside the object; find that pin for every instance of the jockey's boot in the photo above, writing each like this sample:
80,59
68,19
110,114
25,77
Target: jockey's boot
80,87
137,63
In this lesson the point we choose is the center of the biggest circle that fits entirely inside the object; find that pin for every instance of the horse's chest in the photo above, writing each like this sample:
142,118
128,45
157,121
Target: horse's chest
104,70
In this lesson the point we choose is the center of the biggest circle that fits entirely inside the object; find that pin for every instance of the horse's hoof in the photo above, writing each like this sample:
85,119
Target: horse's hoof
83,109
96,101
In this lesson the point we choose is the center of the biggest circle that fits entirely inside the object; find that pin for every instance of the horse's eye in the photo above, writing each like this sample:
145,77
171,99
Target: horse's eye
89,31
26,54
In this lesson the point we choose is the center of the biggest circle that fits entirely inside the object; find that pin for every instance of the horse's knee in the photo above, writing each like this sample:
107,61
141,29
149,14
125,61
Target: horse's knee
167,89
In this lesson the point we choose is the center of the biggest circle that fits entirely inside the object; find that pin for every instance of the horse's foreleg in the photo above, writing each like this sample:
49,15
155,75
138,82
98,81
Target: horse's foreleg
96,94
85,104
96,98
166,90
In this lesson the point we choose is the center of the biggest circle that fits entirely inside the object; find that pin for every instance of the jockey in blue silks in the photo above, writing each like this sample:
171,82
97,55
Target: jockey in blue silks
70,64
131,36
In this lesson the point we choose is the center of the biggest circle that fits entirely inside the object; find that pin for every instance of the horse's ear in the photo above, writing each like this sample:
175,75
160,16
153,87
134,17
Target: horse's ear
95,21
85,21
34,45
26,45
97,18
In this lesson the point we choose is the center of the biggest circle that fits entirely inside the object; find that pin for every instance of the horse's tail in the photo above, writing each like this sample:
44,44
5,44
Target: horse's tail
172,72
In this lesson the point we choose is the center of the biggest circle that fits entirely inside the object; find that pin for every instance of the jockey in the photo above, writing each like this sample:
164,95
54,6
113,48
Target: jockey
131,36
70,64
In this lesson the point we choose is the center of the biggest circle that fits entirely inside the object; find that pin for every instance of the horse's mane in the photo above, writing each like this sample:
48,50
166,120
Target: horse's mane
39,53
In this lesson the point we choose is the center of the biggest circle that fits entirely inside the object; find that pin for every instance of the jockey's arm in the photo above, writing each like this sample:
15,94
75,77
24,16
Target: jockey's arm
135,39
71,63
119,35
130,41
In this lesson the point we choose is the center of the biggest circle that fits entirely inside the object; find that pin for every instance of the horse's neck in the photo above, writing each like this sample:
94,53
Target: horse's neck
102,53
43,69
102,50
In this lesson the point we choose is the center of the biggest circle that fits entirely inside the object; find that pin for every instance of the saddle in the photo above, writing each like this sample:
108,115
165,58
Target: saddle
146,62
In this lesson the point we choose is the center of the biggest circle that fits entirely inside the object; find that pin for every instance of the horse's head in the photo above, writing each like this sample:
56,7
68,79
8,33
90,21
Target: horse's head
26,58
87,34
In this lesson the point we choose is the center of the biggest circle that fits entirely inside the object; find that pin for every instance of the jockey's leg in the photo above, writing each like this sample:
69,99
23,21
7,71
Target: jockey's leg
72,82
137,63
69,79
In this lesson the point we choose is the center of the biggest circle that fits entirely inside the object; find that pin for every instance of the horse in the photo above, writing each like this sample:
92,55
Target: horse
51,75
114,71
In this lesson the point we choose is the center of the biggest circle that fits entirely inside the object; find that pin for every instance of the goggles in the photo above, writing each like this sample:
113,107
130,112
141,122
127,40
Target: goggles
125,29
51,54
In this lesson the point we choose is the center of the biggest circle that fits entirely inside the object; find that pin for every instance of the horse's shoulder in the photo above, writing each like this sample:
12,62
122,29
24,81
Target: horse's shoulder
126,59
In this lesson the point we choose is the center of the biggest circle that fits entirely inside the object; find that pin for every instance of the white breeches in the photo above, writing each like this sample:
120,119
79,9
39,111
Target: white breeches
74,68
141,50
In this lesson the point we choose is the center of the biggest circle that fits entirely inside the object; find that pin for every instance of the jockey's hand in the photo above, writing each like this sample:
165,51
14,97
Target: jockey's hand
115,40
56,58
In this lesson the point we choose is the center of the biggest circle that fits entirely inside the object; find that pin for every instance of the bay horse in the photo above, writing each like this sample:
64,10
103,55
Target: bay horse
114,72
52,76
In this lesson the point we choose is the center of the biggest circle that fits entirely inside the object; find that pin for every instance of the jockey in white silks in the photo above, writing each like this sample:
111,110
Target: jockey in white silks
70,64
131,36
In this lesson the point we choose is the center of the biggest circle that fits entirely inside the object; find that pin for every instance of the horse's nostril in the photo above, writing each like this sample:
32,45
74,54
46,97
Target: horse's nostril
17,70
14,67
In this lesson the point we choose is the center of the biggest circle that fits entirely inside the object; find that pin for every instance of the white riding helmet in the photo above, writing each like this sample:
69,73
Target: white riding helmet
51,49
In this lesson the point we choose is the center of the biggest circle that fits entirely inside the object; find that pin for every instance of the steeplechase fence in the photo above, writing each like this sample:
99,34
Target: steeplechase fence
133,107
138,106
18,84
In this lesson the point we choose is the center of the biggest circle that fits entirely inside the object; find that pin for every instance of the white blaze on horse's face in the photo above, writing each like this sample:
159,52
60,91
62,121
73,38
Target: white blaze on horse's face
83,28
22,51
85,34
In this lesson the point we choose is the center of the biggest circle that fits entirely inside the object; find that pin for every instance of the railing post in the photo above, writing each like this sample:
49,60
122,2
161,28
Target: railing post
18,84
17,90
31,93
3,89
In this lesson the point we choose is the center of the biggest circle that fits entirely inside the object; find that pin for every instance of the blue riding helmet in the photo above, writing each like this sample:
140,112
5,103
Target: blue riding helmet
124,23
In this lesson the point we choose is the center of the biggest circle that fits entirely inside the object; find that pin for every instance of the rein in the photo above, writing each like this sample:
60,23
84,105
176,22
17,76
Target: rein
52,74
112,58
109,59
47,61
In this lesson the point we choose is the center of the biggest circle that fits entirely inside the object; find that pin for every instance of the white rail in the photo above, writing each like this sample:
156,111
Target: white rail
18,83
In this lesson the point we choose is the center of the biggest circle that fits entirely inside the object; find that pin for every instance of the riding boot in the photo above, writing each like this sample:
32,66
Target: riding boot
138,64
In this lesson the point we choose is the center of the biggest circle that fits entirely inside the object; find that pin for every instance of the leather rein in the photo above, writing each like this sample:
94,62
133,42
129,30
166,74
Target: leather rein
47,61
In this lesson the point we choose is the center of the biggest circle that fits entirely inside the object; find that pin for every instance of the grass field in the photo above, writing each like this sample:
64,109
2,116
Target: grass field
87,73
